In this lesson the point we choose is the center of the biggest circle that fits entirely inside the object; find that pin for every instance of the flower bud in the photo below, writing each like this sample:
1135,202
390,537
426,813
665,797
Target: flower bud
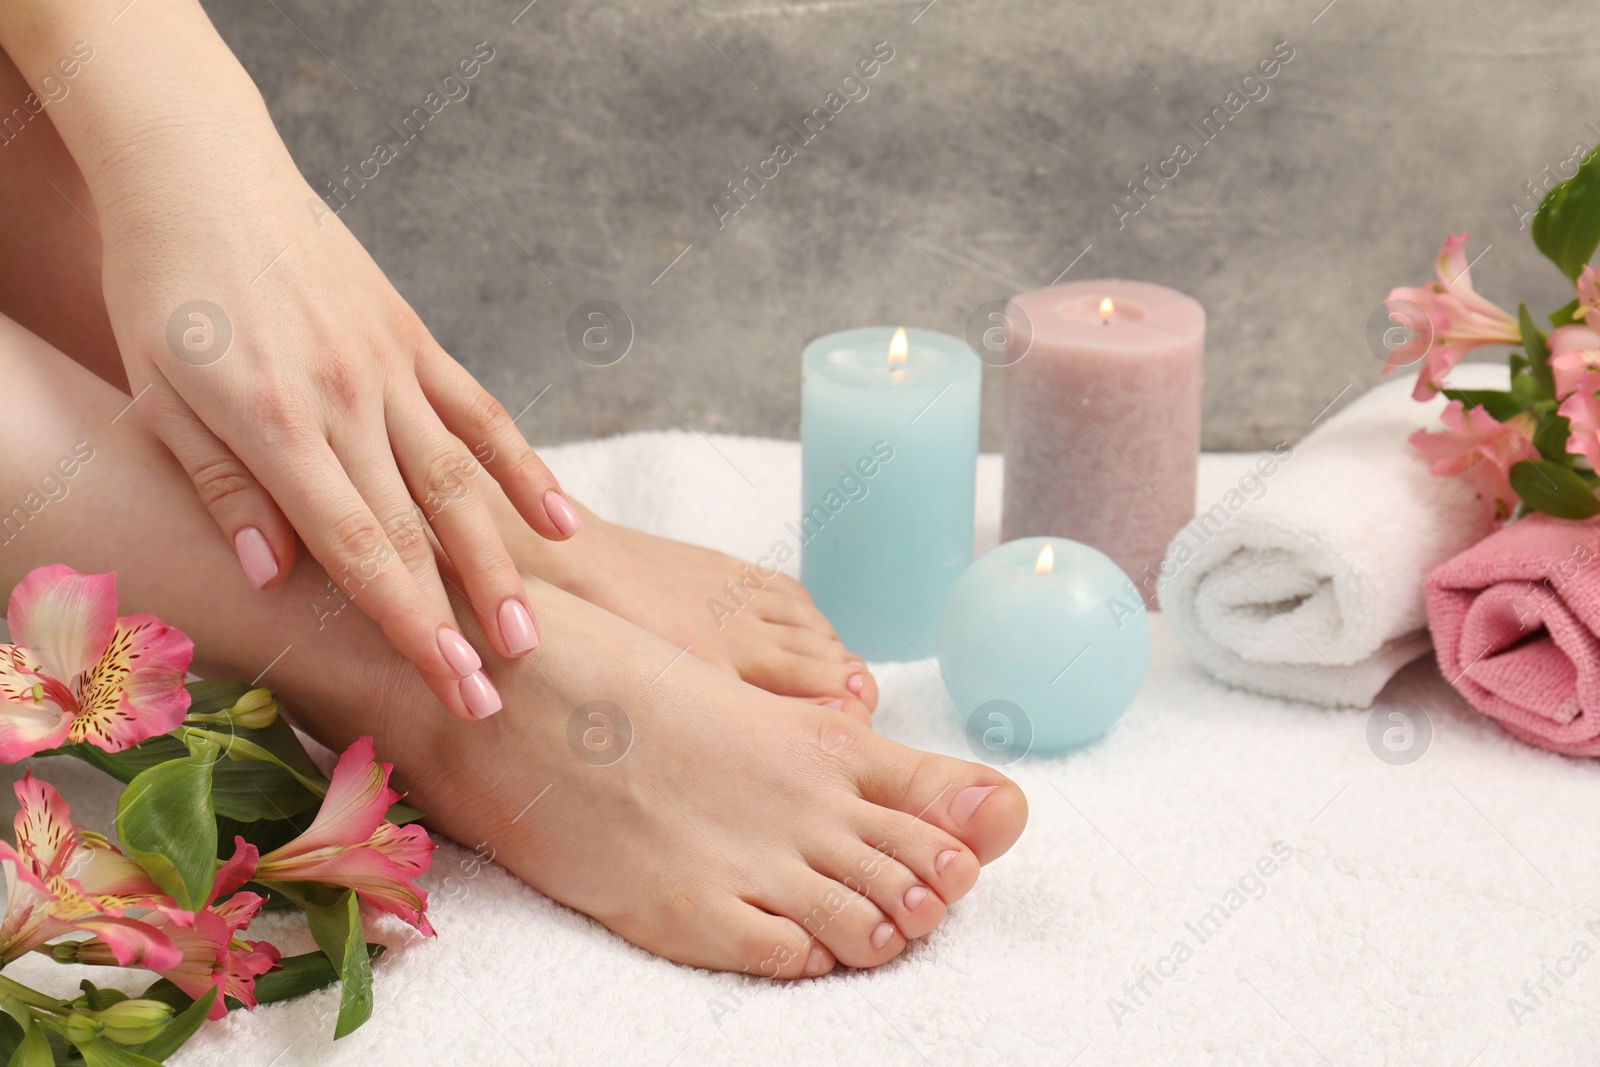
256,710
127,1022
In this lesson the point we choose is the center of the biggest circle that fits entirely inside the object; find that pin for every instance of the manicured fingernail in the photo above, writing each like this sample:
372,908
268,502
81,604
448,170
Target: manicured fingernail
915,895
255,556
480,696
816,961
516,626
881,934
945,859
856,682
563,514
462,657
964,803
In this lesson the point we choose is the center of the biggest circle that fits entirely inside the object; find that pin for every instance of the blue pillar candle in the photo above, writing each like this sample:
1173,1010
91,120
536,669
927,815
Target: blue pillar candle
1040,648
889,460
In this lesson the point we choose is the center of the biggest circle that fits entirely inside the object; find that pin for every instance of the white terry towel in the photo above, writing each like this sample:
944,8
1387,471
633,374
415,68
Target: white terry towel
1313,589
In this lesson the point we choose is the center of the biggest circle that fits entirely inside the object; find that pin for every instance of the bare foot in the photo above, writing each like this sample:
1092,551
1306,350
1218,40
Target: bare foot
762,627
757,834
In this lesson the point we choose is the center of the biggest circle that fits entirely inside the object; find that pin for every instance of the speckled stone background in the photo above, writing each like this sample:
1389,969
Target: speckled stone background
987,157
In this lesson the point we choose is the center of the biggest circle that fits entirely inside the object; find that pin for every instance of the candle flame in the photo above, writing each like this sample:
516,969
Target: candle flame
1046,561
1107,308
899,346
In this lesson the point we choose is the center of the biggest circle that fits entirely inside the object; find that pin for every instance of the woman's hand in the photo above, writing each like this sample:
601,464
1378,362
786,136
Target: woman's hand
297,388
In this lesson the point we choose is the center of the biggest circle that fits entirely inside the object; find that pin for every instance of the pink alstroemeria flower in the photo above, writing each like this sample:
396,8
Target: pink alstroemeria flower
79,673
1582,411
61,877
1458,317
1475,447
1588,292
210,955
349,844
1575,359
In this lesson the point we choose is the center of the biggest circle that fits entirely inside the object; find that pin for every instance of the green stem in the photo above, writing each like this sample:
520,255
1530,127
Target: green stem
32,997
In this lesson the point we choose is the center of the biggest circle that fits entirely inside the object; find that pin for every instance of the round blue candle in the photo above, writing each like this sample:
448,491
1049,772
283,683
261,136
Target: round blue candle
889,447
1041,647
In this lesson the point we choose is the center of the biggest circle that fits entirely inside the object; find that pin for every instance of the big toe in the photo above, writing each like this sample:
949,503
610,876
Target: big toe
977,805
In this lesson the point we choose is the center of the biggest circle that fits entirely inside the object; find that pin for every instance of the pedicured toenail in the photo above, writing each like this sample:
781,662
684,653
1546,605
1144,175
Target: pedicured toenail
836,704
965,803
855,662
915,896
816,961
856,682
945,859
881,934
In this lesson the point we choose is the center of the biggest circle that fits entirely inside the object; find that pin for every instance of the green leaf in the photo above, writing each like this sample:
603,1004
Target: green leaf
1554,489
399,814
1550,438
166,824
1565,314
212,695
102,1053
336,928
180,1029
1500,405
33,1050
1566,228
10,1037
1538,351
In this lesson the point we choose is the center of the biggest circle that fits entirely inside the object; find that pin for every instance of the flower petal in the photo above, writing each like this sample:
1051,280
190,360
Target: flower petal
357,799
135,690
28,728
45,833
64,618
408,846
237,871
132,943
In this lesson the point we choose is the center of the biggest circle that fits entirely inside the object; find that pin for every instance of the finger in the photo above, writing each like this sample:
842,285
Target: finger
347,538
442,477
478,419
260,534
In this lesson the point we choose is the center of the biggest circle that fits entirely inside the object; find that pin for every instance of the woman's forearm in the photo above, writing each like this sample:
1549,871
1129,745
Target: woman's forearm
147,97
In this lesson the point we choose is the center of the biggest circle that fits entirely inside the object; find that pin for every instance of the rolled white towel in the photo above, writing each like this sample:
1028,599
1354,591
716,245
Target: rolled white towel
1313,591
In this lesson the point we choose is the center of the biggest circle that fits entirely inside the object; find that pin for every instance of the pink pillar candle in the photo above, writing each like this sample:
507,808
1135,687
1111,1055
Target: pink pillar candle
1102,429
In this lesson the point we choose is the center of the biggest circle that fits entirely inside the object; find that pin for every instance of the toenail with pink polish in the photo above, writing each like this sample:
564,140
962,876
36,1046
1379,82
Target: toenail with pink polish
881,934
836,704
816,961
965,803
915,896
945,859
855,662
856,682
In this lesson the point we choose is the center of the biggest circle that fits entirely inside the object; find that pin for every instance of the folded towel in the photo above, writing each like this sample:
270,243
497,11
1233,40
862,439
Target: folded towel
1515,619
1305,582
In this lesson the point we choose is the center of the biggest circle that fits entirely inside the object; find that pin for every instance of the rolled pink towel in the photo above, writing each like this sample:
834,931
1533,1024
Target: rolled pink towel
1515,620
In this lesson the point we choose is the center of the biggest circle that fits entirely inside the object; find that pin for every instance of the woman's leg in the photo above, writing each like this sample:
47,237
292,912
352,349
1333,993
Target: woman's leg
738,830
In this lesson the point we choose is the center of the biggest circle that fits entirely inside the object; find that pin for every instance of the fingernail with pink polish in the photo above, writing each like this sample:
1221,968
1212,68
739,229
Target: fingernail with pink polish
563,514
255,556
965,803
881,934
462,657
516,627
480,696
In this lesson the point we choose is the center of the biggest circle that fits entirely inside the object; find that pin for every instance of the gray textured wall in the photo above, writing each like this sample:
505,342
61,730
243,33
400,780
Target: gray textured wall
987,155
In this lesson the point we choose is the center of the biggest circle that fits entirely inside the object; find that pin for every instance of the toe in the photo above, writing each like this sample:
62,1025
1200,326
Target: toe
977,805
853,708
937,859
849,925
759,943
787,673
879,876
